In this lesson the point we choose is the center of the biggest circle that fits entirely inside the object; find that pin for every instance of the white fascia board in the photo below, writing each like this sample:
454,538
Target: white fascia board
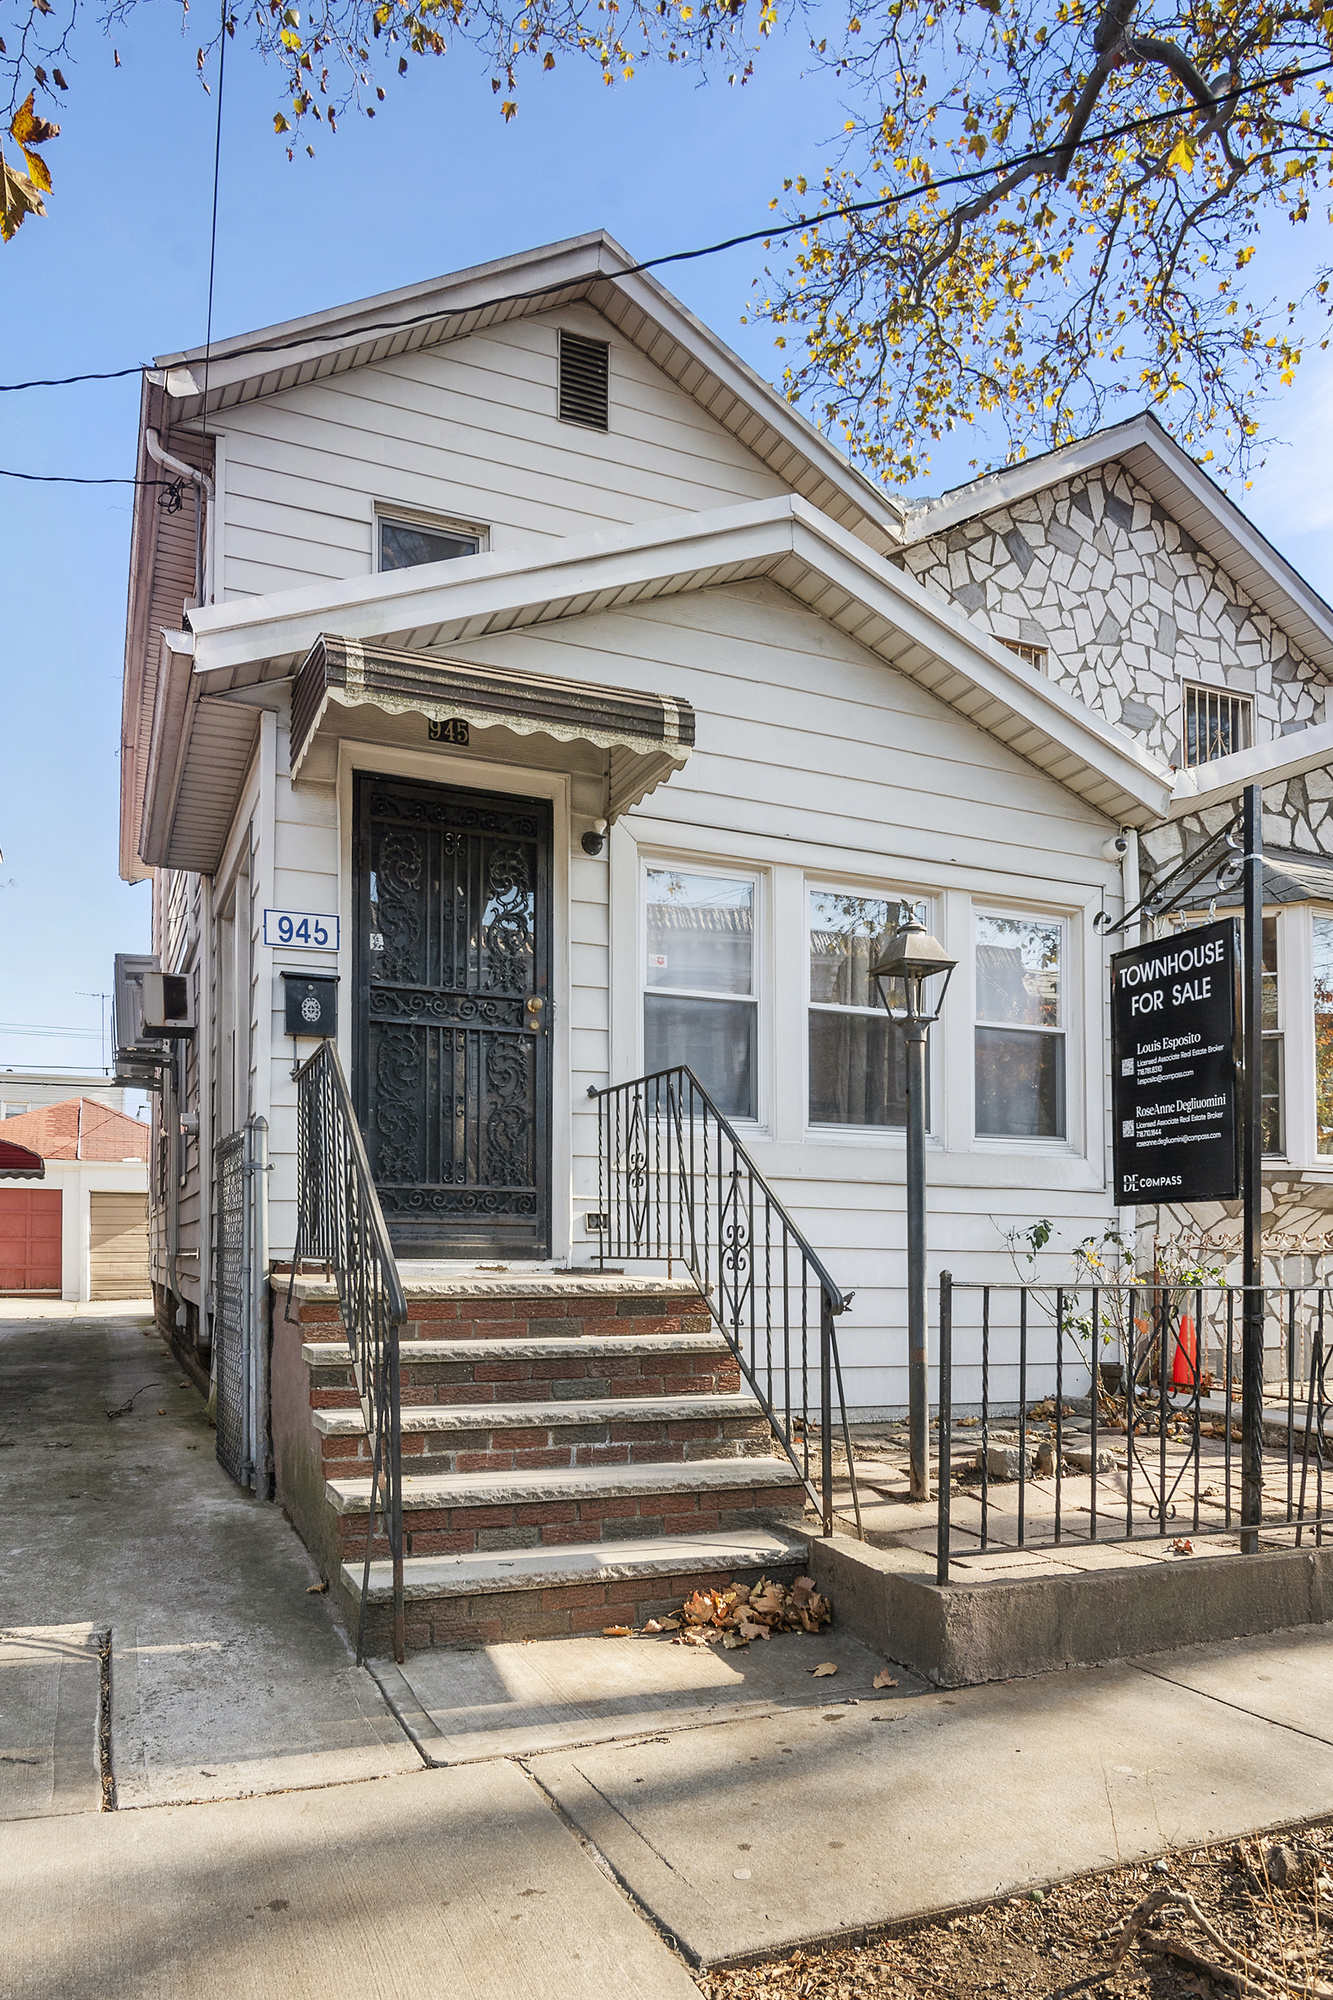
246,635
1019,482
1271,763
175,694
240,643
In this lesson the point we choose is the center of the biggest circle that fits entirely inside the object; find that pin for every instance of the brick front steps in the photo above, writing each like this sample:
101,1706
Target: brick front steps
577,1451
547,1594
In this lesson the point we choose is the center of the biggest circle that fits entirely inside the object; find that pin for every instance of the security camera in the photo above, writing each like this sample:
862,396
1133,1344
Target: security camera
1116,848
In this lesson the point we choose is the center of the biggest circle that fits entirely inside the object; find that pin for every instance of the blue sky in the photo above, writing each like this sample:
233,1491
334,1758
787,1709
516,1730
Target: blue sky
118,272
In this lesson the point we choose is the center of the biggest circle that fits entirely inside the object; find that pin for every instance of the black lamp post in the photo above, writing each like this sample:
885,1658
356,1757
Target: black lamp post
910,958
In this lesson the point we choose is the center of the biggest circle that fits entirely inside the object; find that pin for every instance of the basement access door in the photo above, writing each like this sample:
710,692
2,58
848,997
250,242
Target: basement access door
451,1027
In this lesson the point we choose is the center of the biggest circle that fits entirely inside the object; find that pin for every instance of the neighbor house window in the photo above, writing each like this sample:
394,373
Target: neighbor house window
699,1005
1323,1032
1020,1031
857,1061
408,544
1271,1083
1216,724
1036,656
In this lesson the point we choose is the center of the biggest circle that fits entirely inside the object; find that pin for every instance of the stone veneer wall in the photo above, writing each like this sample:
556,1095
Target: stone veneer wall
1128,606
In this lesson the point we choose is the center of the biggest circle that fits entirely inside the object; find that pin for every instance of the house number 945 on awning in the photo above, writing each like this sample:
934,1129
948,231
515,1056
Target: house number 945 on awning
300,930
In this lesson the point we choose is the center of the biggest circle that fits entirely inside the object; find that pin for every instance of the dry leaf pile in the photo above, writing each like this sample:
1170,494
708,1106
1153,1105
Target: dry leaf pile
736,1613
1243,1921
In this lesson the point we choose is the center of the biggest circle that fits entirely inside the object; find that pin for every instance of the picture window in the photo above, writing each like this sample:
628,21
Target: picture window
858,1073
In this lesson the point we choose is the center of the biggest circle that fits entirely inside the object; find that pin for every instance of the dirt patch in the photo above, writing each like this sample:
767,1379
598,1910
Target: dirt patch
1261,1925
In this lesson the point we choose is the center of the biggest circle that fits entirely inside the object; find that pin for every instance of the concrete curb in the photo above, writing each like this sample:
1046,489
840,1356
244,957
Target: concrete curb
965,1633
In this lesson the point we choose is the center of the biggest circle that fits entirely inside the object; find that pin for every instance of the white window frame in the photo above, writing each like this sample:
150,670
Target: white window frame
1070,1139
823,885
1246,709
724,871
414,517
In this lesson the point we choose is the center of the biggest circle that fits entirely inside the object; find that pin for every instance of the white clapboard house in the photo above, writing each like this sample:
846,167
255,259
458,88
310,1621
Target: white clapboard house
506,648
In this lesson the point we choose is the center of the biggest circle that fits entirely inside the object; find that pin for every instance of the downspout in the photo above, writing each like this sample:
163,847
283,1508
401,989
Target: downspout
202,485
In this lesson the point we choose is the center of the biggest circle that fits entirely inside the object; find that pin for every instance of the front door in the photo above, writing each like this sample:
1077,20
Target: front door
452,920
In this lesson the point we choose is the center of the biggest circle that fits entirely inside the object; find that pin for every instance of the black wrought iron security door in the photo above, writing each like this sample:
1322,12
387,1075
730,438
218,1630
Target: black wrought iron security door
452,1077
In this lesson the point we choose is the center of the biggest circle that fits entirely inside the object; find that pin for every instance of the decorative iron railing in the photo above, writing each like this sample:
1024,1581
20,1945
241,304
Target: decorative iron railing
675,1184
1079,1414
340,1225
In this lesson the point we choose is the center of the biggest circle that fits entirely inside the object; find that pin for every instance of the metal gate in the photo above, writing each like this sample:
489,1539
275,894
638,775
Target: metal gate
240,1308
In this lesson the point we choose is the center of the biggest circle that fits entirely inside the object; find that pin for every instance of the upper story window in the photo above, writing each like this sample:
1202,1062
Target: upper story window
1020,1030
584,395
857,1060
1216,724
408,544
1036,656
700,1003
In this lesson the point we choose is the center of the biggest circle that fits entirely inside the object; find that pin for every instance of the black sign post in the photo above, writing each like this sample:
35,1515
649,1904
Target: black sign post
1175,1079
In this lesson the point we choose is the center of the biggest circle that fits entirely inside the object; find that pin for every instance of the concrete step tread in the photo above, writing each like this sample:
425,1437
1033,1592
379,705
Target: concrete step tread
423,1282
439,1491
334,1353
580,1563
547,1416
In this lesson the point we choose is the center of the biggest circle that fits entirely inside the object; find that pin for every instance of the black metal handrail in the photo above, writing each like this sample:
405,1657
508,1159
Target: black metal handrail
339,1224
675,1183
1137,1389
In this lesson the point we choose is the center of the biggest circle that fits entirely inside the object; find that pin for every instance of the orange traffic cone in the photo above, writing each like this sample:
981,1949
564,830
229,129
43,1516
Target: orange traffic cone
1185,1367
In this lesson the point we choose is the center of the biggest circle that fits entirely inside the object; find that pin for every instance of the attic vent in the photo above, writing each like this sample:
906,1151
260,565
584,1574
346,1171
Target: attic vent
585,374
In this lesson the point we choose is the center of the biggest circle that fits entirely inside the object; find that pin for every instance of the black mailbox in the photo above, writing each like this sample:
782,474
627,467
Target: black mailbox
311,1003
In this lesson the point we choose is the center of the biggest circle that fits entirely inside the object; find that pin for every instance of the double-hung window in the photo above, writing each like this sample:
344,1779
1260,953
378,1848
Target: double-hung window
700,1004
408,544
1020,1026
858,1070
1323,1032
1271,1119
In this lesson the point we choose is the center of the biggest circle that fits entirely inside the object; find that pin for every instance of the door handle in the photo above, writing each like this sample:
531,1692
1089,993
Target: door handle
535,1007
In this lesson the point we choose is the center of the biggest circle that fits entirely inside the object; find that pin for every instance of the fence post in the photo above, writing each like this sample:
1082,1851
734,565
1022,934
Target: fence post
1252,1308
826,1406
945,1462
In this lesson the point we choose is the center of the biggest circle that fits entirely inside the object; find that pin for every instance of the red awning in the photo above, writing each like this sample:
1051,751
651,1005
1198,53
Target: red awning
18,1162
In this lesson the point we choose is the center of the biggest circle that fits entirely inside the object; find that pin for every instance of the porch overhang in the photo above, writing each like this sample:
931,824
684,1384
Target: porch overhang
647,737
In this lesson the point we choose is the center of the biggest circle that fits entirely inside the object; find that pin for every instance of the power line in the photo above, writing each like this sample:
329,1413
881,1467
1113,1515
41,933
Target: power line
965,177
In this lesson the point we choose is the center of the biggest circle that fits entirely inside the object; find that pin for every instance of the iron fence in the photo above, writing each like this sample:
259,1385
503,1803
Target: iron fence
1096,1413
341,1226
676,1185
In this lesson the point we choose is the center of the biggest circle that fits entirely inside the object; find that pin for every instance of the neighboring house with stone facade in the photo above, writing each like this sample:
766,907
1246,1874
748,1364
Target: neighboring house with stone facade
1117,568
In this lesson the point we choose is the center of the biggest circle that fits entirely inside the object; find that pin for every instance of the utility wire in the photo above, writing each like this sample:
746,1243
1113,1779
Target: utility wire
966,177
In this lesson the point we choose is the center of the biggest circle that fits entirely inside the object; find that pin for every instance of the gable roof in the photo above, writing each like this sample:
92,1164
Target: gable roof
206,714
78,1128
1193,500
591,269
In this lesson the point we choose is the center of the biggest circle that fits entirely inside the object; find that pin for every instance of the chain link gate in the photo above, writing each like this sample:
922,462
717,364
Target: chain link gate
240,1318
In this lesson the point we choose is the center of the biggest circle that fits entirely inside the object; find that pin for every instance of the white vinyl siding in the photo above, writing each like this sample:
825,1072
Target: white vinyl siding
469,431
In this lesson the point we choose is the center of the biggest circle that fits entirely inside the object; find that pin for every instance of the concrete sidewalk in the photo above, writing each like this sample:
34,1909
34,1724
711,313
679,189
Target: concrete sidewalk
601,1797
226,1677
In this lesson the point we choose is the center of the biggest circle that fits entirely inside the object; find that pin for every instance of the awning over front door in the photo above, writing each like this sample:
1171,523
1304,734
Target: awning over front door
20,1162
646,736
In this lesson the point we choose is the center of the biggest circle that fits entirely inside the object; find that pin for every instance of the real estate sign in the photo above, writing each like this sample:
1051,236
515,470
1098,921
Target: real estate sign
1175,1095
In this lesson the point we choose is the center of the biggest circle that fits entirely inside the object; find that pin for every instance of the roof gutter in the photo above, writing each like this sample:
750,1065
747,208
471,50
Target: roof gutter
201,483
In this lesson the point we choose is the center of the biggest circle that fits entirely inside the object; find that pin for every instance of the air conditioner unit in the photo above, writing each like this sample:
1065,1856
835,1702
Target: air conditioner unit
166,1007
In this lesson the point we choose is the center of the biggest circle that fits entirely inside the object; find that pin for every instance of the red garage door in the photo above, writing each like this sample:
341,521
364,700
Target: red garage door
30,1240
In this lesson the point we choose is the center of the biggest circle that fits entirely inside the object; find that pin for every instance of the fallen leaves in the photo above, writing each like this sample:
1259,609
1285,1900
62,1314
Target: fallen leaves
617,1631
824,1669
884,1679
739,1613
317,1589
1182,1546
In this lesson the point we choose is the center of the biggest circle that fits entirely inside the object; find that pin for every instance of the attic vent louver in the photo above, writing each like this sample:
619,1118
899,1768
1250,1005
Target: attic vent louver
584,382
